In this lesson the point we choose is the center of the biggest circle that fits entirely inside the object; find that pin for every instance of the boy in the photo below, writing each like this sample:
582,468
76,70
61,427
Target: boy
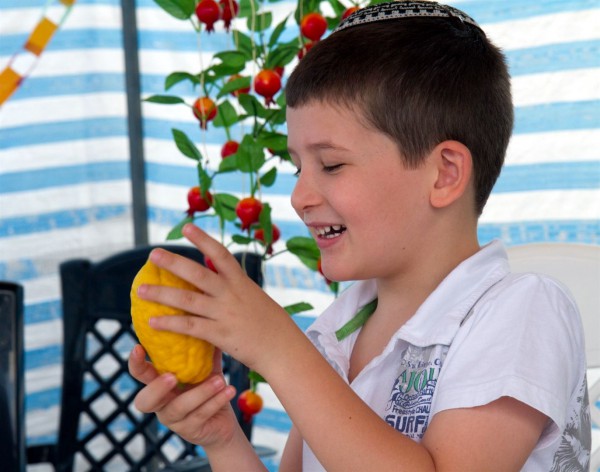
398,124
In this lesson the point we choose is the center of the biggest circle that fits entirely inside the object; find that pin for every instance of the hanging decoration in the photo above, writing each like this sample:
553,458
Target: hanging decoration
24,61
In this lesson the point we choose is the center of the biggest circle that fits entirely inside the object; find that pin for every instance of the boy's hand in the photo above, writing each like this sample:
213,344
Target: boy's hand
231,311
200,414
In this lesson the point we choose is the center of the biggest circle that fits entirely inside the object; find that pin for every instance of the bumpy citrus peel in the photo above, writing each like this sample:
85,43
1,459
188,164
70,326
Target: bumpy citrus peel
189,358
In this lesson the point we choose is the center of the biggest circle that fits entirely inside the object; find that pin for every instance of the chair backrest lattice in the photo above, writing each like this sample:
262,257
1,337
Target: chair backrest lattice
99,427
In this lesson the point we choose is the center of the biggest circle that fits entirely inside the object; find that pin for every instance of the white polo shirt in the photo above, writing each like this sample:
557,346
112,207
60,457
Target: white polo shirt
482,334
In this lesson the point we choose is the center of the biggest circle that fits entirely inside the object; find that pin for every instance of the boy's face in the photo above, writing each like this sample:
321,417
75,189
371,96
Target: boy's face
366,211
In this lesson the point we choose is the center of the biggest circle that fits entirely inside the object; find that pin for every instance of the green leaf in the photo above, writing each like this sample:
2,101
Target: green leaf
272,140
305,249
264,219
297,308
177,77
204,179
334,287
226,115
231,58
281,101
239,239
277,116
176,231
243,44
224,204
255,378
260,22
281,55
185,145
232,62
268,178
229,164
250,155
253,107
233,85
247,8
180,9
279,29
164,99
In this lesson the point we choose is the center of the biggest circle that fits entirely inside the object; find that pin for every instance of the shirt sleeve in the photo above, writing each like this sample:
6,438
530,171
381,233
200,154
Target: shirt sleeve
524,340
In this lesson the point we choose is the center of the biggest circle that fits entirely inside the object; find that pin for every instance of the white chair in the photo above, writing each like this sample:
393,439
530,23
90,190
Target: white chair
578,267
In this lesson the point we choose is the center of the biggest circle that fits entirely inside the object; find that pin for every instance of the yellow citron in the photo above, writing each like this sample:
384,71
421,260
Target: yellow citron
189,358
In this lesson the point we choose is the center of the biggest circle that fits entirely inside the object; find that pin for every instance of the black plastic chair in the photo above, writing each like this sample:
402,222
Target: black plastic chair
99,428
12,433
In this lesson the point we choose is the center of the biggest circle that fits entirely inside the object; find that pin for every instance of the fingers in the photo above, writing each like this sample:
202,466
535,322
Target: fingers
202,401
139,368
196,326
186,269
187,301
156,394
222,259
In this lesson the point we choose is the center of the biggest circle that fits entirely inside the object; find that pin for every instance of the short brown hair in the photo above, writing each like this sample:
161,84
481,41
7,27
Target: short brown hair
420,81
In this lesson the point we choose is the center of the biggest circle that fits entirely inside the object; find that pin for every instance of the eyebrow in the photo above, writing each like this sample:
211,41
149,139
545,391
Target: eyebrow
322,146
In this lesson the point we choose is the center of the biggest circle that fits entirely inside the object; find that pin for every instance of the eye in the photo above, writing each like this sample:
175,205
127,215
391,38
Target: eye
331,169
297,173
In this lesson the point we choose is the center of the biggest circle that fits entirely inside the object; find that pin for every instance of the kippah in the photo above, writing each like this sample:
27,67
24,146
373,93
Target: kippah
403,9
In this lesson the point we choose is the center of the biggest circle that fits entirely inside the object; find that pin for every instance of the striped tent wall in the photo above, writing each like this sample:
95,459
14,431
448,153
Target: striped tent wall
64,172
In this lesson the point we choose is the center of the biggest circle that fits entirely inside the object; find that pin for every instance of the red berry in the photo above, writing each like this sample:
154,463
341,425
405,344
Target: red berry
208,12
229,10
279,70
205,110
249,403
229,148
349,12
305,48
248,210
313,26
267,83
196,202
259,234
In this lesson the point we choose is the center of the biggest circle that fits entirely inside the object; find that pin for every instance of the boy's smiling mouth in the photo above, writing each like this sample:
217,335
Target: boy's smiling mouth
329,232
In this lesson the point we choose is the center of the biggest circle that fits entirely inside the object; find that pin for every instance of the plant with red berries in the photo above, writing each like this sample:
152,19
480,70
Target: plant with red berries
250,403
313,26
198,200
229,10
229,148
239,91
208,12
205,110
267,83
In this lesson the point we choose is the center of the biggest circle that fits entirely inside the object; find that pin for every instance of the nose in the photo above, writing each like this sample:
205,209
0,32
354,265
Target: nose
305,194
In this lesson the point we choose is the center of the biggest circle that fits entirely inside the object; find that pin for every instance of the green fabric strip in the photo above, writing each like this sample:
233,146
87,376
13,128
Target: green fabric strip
357,321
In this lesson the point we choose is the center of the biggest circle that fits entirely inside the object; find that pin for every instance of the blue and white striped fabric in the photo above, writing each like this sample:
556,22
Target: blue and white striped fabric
64,175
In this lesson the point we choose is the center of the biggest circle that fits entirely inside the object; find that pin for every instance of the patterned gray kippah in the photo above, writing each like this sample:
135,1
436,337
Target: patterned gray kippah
403,9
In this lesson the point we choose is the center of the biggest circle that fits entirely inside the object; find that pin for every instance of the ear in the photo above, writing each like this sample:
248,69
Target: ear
453,166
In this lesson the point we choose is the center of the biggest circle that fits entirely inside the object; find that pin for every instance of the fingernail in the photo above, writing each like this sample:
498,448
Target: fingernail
156,255
230,392
137,351
153,321
170,379
218,382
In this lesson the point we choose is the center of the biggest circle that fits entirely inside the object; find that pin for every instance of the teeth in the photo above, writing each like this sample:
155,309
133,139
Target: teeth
330,231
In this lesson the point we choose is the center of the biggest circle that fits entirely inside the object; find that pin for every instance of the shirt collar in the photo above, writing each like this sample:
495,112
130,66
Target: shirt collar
439,317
